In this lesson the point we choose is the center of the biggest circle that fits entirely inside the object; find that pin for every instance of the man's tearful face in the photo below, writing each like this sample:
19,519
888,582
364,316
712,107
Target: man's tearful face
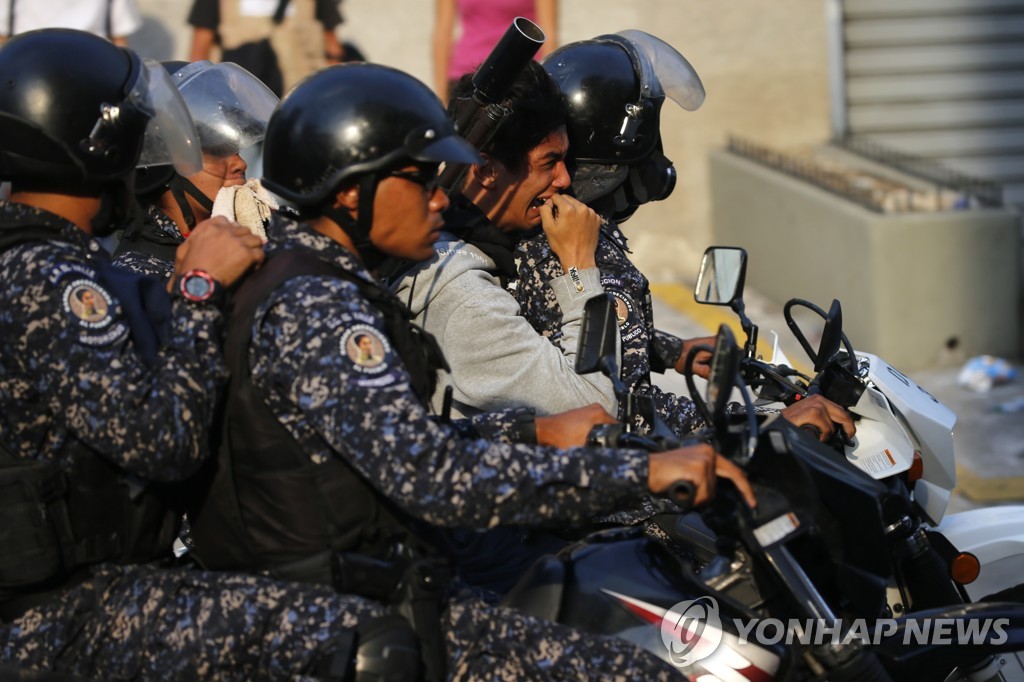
521,194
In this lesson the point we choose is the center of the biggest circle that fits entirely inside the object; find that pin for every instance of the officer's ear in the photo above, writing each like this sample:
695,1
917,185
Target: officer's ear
486,174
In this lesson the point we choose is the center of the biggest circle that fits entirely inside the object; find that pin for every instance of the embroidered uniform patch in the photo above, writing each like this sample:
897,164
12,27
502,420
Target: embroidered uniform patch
623,307
92,307
367,348
89,302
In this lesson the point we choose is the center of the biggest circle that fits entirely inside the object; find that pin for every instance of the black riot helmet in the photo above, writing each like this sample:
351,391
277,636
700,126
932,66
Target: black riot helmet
354,122
74,109
350,120
230,108
613,87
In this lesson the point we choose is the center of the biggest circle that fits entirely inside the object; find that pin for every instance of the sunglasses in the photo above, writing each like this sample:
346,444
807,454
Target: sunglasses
427,176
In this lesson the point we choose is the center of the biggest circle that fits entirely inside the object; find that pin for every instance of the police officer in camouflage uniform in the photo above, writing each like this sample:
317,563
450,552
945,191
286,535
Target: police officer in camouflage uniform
615,145
230,108
332,470
108,390
613,88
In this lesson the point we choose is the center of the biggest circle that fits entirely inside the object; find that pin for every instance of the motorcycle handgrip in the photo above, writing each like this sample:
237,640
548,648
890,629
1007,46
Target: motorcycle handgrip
682,493
813,430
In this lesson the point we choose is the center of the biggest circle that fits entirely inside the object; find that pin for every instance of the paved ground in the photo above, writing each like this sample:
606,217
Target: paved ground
989,442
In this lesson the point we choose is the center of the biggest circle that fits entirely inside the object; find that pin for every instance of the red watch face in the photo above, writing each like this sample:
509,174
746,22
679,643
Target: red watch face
197,286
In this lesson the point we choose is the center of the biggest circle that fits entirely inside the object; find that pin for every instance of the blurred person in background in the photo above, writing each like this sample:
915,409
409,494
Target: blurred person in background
114,20
481,24
278,41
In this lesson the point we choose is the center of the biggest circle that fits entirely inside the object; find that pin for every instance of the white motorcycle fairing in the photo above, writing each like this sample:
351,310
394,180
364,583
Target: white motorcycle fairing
996,536
897,404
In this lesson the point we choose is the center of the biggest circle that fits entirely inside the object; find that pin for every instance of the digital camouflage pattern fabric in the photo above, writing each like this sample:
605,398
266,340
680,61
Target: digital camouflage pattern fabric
321,357
147,623
304,363
72,373
74,386
643,347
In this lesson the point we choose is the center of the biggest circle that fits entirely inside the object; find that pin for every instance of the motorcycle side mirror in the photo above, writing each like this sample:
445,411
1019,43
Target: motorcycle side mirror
831,336
598,348
722,273
597,335
725,364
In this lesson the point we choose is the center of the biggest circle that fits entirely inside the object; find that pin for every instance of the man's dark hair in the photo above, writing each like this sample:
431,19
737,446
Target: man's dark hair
536,111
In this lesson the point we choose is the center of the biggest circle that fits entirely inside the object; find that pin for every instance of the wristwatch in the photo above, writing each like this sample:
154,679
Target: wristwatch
198,286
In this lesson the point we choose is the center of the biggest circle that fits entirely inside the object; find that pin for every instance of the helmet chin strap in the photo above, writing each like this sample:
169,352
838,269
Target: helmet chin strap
180,186
116,199
358,229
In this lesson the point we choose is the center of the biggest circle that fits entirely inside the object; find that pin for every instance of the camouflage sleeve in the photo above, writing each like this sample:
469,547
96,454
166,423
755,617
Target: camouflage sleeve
152,421
331,375
536,268
665,351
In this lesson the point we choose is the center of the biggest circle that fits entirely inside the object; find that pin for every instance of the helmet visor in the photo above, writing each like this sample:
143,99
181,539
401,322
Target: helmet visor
171,137
230,106
665,71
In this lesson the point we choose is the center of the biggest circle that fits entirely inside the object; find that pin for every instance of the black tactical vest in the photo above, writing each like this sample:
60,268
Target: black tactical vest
269,506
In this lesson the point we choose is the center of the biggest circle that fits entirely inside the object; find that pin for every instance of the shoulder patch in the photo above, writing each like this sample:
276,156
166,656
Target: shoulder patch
93,308
88,302
367,348
623,307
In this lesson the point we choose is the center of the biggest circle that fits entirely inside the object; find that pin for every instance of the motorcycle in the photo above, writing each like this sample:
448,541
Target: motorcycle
828,545
903,432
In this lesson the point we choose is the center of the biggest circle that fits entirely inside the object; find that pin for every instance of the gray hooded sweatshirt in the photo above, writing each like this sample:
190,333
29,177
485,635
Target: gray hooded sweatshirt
498,361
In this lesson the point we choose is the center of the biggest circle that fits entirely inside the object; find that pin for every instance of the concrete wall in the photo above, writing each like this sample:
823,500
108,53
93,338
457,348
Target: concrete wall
907,282
763,65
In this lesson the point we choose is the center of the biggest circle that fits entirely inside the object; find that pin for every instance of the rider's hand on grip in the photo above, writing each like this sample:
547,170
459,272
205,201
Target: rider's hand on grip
700,465
701,363
682,493
820,416
570,429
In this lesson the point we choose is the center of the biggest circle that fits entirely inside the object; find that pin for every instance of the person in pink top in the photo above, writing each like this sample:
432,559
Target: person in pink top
481,25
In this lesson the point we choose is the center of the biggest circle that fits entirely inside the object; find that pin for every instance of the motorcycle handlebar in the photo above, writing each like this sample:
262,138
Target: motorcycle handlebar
682,492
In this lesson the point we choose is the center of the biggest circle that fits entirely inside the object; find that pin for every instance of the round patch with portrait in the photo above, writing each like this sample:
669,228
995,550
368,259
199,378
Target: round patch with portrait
623,307
88,302
366,347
